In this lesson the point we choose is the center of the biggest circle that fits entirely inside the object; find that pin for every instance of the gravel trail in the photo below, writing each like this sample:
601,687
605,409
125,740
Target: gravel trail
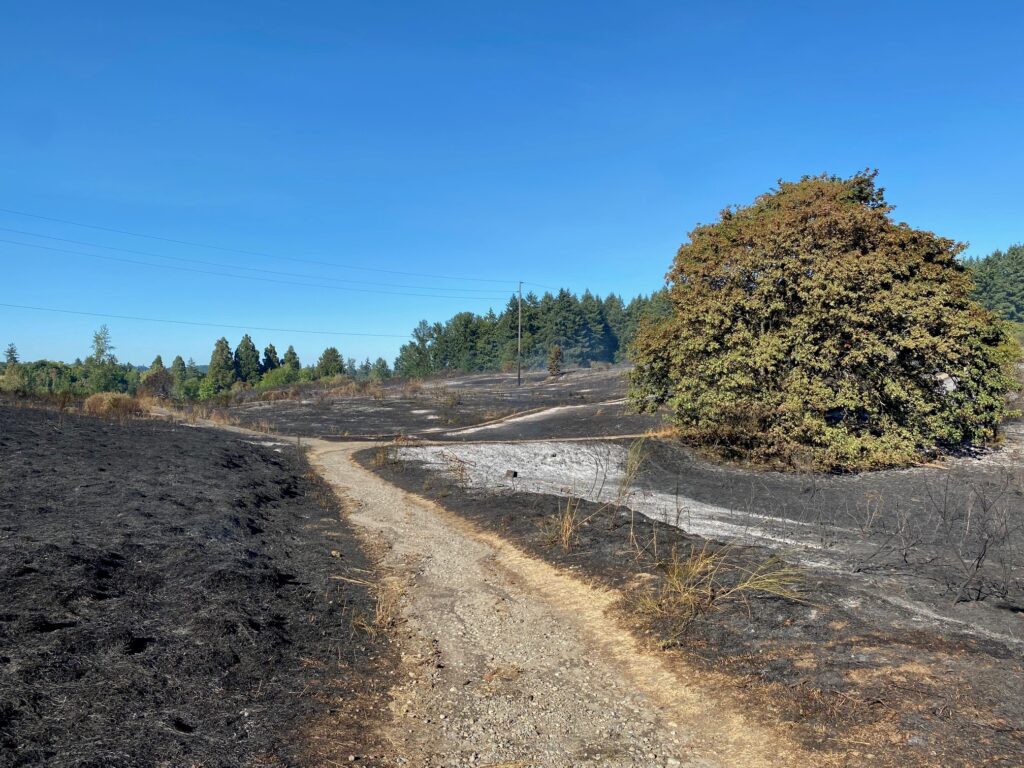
508,661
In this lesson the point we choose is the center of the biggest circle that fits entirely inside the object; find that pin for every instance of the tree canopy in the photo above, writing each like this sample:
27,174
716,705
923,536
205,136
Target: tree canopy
810,327
330,363
587,329
999,282
221,373
247,361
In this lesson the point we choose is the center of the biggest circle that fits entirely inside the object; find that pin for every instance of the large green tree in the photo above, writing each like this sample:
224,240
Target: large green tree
812,327
291,359
247,361
330,363
221,373
270,359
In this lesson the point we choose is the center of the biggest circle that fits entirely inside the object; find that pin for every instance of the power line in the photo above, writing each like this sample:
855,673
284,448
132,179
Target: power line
108,316
235,266
251,253
248,277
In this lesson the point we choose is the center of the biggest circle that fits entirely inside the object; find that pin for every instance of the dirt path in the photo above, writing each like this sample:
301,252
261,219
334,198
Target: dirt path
510,662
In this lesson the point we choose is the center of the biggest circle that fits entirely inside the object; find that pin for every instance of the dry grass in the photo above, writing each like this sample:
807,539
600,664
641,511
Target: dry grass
563,529
448,398
696,584
666,432
385,455
387,607
112,405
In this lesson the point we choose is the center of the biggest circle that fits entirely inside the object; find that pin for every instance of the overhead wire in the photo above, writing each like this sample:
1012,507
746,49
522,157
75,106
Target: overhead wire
195,244
248,277
109,316
239,266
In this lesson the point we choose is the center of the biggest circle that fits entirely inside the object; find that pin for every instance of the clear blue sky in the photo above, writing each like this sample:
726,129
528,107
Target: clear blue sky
564,143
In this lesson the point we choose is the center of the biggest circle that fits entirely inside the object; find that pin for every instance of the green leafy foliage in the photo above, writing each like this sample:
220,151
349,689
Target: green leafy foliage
810,328
281,376
380,370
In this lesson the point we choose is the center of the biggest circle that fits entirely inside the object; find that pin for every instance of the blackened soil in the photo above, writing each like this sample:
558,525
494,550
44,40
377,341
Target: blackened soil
168,597
833,669
437,406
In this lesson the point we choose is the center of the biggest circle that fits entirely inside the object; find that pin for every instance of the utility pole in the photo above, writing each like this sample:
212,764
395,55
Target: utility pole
519,351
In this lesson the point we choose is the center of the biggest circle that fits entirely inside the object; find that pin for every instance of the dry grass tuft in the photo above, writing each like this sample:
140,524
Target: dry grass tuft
387,608
694,585
564,528
112,405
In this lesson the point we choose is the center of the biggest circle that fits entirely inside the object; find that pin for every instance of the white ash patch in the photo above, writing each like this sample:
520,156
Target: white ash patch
595,472
535,416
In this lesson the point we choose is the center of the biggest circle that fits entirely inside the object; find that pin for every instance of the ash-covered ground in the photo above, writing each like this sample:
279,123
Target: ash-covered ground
873,665
172,597
580,403
943,546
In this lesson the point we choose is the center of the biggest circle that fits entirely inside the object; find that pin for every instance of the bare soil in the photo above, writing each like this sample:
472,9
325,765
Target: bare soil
174,597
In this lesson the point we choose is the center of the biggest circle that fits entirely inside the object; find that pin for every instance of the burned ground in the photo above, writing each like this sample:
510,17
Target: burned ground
845,670
171,597
588,403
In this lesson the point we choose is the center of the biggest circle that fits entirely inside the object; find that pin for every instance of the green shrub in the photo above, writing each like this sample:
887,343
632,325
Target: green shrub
811,329
279,377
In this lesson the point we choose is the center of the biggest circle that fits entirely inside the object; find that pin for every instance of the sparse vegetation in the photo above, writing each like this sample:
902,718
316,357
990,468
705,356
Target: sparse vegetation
694,584
555,360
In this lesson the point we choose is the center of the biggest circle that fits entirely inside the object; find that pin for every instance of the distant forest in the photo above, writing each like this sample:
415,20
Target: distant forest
230,370
586,328
999,281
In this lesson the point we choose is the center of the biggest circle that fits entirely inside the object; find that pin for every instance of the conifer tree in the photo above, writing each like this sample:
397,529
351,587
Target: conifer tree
999,282
291,360
221,373
178,370
330,363
158,381
270,359
247,361
381,370
11,354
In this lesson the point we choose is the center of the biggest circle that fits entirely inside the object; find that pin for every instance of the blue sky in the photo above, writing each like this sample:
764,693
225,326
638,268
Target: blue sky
563,143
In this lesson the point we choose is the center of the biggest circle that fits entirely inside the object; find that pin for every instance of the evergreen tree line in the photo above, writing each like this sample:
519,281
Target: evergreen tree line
243,367
585,328
999,282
